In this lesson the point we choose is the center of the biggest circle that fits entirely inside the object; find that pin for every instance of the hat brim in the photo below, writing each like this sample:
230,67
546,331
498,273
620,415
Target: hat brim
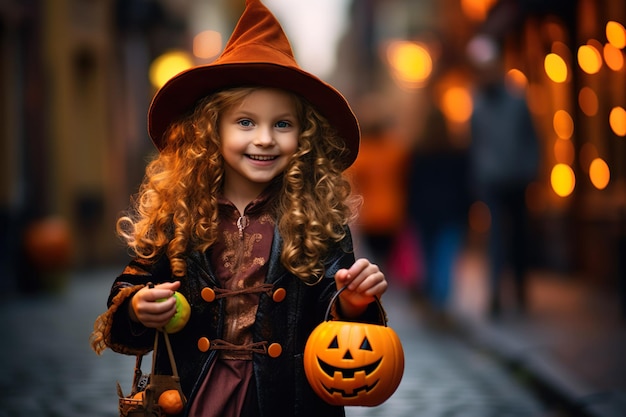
181,93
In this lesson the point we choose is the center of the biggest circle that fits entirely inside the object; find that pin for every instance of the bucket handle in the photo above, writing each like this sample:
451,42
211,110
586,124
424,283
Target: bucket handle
381,311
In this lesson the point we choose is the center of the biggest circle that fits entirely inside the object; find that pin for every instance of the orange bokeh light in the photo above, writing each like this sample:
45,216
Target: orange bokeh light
456,104
564,151
588,101
410,63
563,124
599,173
477,9
616,34
613,57
562,180
555,68
617,120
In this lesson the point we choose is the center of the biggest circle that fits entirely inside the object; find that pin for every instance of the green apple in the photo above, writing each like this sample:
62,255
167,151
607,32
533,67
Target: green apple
181,317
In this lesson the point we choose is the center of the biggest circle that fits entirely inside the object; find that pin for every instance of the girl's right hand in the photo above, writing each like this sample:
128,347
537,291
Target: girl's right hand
154,306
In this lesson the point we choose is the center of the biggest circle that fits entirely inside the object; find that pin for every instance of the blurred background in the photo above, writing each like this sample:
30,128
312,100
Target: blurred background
77,77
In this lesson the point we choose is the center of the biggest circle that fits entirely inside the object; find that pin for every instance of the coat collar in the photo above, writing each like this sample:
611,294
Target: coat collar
200,263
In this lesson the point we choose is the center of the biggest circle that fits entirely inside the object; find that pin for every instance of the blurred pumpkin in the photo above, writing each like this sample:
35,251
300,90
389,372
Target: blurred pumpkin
48,244
352,363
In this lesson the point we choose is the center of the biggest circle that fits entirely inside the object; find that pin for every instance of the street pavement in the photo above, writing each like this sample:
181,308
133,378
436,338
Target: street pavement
571,341
48,368
444,375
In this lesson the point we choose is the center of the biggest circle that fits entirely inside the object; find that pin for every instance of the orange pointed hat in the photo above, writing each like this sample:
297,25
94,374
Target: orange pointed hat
257,53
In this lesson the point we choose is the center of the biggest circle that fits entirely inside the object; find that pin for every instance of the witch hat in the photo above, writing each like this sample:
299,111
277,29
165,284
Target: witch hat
257,53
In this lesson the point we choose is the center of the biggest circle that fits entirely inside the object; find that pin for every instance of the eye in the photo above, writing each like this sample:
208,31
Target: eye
334,344
366,345
283,124
245,122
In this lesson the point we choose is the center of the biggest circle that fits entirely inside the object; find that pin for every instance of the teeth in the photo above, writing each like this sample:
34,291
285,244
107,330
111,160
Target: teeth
261,157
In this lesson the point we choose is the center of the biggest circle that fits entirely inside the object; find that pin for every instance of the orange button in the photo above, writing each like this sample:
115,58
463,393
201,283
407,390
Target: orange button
204,344
279,295
208,294
274,350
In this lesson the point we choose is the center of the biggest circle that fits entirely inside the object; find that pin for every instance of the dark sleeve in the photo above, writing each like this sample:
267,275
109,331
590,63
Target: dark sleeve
114,328
344,258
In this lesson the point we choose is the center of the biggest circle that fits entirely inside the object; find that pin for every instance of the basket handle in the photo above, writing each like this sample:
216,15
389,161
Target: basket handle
381,310
136,376
170,353
168,346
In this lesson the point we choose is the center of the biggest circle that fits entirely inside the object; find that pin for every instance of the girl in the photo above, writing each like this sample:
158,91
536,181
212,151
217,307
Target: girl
245,212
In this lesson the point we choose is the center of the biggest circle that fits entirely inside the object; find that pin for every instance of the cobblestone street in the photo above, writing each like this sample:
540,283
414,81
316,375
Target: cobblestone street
48,368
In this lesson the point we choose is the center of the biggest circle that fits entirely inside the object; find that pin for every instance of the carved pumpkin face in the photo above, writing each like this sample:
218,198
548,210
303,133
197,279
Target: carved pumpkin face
349,363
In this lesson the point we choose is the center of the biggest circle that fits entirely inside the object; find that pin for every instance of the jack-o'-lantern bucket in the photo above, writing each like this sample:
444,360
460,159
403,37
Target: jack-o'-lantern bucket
353,363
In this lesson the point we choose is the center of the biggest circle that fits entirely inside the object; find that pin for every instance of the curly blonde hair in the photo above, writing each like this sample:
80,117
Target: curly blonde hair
176,208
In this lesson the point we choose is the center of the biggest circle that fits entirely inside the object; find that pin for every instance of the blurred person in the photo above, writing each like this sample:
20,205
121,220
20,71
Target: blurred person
437,206
379,176
504,159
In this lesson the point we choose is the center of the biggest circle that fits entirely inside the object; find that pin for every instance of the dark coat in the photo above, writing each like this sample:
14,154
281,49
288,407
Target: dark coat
282,388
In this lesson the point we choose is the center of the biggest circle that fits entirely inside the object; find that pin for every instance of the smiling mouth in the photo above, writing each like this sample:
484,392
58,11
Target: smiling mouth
262,157
330,370
355,392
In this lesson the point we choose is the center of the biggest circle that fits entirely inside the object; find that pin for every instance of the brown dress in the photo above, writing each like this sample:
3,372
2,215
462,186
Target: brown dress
240,260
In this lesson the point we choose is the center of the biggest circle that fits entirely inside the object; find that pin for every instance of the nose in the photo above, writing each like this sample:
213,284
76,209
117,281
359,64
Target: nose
264,136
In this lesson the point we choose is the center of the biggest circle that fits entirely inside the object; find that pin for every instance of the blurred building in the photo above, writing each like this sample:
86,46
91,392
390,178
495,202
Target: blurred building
75,90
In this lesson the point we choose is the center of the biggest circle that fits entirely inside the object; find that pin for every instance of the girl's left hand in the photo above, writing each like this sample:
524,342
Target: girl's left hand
363,280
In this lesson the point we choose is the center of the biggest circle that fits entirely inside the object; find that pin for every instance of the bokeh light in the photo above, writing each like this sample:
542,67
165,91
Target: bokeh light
617,120
207,44
456,104
516,80
599,173
589,59
167,65
555,68
563,124
616,34
588,101
476,9
555,30
564,151
562,180
411,63
613,57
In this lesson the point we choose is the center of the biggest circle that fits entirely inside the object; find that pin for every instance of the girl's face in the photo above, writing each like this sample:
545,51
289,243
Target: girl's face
258,137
